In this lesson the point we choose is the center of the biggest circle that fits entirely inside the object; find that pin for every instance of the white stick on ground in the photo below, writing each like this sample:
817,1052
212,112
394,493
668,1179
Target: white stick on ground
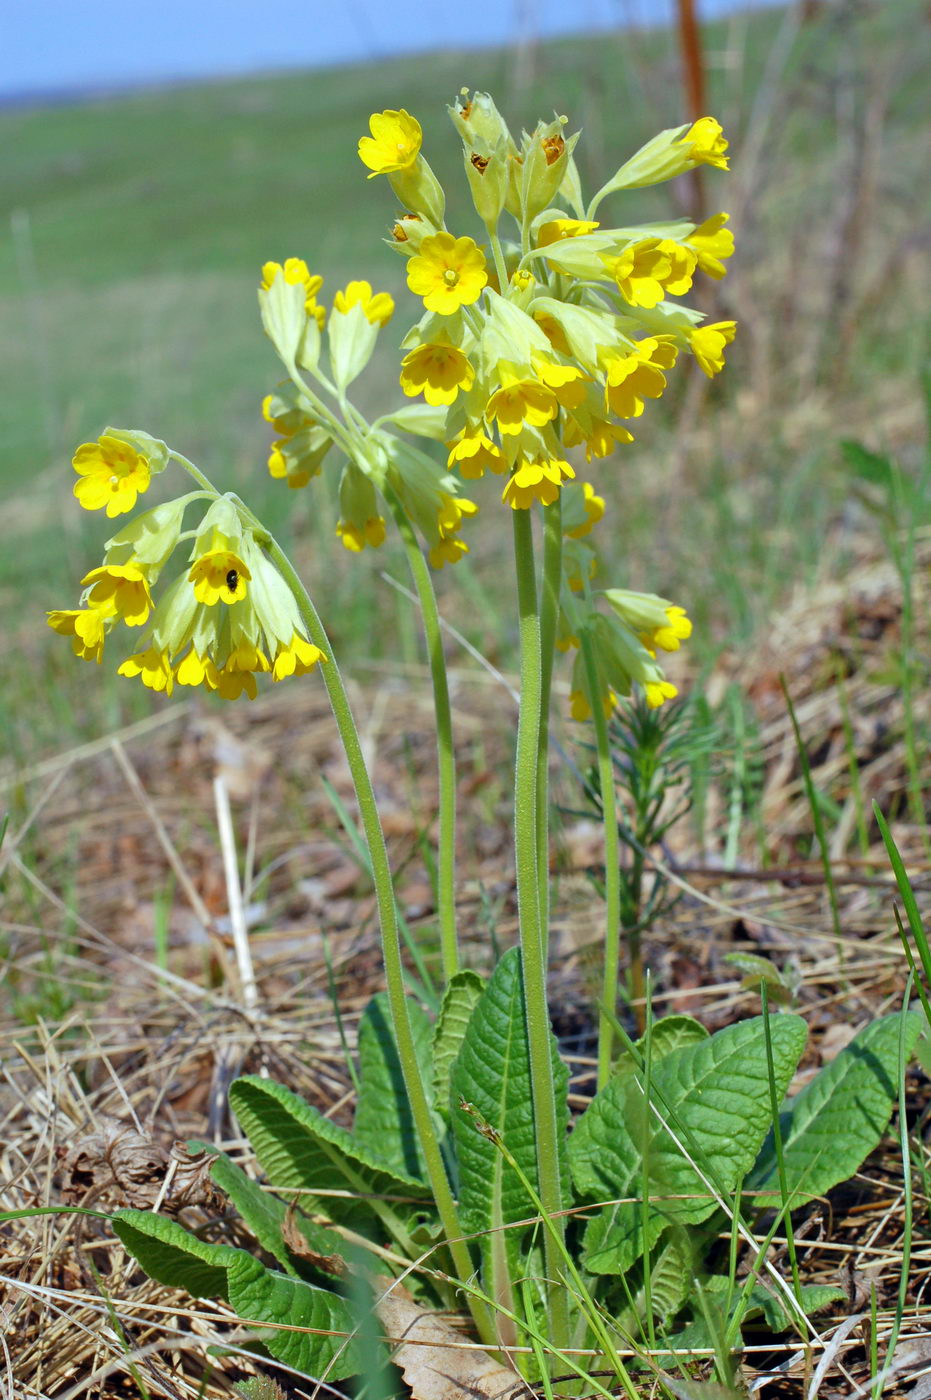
250,994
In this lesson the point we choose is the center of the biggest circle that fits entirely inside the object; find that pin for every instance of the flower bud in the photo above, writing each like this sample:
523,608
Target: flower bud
408,232
487,173
417,188
546,155
478,120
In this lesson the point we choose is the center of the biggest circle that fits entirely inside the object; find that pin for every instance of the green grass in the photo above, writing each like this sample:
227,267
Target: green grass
132,230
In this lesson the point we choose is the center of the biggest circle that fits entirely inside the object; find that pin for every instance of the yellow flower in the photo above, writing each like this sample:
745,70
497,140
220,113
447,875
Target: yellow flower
705,143
378,306
197,670
296,272
658,623
448,273
295,659
113,474
451,513
658,692
85,626
566,381
438,372
370,534
555,230
599,435
394,143
219,574
647,270
286,418
538,480
231,681
712,243
153,667
519,402
121,589
594,510
667,638
708,344
472,452
637,376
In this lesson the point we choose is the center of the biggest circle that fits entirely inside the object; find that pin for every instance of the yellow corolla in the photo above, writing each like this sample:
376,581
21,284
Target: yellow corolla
85,626
705,143
394,143
519,402
708,344
120,589
378,306
113,473
448,273
219,575
438,372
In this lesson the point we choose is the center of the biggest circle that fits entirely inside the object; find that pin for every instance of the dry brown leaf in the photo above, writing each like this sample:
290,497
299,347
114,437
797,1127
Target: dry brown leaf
433,1360
128,1168
333,1264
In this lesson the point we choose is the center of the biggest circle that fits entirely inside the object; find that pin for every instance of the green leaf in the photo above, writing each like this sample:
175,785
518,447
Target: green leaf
837,1119
384,1123
776,1310
260,1295
299,1149
671,1278
668,1034
172,1256
261,1211
714,1097
492,1071
265,1214
462,995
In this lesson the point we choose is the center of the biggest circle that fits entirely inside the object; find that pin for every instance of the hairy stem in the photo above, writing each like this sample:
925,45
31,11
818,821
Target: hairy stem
532,939
446,863
606,1015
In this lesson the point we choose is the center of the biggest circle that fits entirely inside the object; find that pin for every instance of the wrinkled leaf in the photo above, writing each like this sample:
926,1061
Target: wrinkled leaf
272,1301
714,1096
384,1123
460,999
492,1072
837,1119
299,1149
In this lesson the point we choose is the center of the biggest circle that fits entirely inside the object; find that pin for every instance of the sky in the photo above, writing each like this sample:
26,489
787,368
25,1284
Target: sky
60,46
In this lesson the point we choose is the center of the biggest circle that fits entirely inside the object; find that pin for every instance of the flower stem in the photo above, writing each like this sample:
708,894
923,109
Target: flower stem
612,867
549,614
533,958
446,863
391,944
498,255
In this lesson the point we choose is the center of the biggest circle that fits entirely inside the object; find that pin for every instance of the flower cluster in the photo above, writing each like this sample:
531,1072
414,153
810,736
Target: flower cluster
326,351
226,617
555,339
531,352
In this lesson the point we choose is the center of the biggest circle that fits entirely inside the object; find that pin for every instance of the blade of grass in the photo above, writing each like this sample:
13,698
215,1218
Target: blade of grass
908,895
817,819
